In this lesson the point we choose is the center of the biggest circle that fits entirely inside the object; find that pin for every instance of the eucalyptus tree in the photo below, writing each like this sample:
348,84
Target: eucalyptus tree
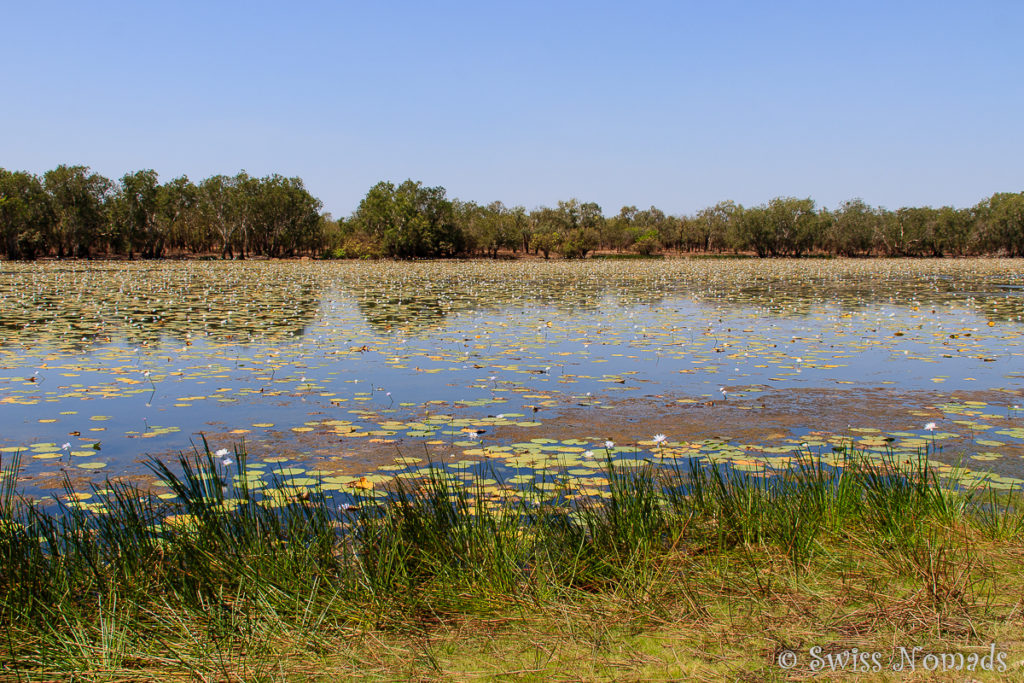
430,208
955,227
135,207
495,229
851,230
227,211
410,220
329,233
755,231
374,215
545,233
520,225
797,225
589,227
944,231
715,228
785,226
692,234
244,193
652,230
179,216
889,237
1001,223
918,231
284,218
578,226
469,217
215,202
25,215
79,203
618,233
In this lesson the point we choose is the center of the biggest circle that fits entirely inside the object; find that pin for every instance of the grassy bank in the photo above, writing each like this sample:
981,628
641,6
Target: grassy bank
675,570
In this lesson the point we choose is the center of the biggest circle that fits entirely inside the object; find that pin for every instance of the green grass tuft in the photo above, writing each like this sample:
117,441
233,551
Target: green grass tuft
222,582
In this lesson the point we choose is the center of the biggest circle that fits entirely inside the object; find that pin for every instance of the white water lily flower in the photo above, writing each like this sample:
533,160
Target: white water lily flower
930,427
222,452
226,461
66,446
659,438
609,444
588,454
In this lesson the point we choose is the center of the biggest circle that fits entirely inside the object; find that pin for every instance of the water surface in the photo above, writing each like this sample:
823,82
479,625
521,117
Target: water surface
344,370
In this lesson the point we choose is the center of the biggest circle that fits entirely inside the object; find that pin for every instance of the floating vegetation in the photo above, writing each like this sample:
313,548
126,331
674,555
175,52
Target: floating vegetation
336,366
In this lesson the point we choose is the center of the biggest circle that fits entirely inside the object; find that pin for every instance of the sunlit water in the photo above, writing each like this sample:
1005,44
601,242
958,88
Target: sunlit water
343,367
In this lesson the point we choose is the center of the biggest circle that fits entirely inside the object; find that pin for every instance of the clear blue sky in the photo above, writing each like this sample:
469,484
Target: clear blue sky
675,104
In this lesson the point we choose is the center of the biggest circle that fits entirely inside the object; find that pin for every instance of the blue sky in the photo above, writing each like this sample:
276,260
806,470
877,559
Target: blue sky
675,104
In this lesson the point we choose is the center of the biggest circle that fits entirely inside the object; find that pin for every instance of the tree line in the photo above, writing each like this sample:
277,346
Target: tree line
71,211
410,220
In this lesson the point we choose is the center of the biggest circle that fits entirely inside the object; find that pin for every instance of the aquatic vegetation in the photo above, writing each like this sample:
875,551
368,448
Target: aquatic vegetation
229,564
333,366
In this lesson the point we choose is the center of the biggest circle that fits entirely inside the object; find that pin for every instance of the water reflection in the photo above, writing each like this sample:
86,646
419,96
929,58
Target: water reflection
329,360
87,303
94,304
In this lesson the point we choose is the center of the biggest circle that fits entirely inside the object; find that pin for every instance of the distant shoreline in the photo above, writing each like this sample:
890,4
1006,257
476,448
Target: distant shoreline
503,256
71,211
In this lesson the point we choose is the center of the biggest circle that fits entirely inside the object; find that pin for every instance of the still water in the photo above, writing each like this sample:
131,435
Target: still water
337,371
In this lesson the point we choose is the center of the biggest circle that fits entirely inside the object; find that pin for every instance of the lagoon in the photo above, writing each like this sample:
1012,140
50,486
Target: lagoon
335,371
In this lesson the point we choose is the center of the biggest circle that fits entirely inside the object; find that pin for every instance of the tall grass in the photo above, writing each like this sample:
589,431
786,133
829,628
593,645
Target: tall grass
212,578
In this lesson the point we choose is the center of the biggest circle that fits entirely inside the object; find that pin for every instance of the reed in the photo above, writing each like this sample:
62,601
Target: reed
212,582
